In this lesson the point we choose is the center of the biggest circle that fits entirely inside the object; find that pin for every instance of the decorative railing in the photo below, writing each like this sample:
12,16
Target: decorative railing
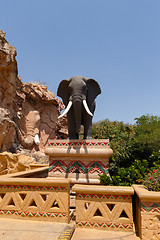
98,207
104,207
37,199
147,213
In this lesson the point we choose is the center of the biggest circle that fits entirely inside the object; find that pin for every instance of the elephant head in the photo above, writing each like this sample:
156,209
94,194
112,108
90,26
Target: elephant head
78,95
28,127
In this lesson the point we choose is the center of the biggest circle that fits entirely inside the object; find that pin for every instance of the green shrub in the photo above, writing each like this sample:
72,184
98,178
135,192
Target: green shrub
135,148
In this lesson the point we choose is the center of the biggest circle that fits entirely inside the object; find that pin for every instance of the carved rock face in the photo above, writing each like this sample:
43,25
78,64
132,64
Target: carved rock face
37,113
26,109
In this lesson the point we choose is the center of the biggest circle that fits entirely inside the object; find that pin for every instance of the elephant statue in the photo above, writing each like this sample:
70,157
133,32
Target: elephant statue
78,95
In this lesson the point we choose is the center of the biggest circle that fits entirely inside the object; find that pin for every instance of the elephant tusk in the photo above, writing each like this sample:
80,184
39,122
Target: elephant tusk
66,110
86,107
36,139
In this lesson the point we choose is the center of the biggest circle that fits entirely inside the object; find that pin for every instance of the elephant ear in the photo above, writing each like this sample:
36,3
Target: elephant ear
63,91
93,90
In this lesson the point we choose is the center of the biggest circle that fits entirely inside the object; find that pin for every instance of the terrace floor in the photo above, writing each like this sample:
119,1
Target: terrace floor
15,229
91,234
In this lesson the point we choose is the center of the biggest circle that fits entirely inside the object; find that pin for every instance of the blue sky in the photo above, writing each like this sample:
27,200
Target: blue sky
116,42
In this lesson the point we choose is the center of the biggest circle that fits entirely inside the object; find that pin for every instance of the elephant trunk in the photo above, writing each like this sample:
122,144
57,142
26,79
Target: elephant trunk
77,105
77,114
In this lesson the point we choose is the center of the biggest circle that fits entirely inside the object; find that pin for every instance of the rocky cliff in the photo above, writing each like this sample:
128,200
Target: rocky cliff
28,111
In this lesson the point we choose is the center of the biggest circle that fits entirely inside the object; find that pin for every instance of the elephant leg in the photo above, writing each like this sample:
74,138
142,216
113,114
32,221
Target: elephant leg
72,126
87,123
88,132
73,134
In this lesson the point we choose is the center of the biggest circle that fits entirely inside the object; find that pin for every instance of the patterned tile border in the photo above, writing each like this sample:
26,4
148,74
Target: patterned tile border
33,188
67,144
32,214
104,225
101,196
150,207
79,165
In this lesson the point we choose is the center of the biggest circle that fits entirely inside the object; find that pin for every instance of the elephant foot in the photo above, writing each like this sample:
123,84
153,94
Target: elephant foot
88,137
74,137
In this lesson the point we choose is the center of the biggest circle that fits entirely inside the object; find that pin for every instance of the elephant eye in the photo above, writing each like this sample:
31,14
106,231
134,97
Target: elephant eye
84,87
69,89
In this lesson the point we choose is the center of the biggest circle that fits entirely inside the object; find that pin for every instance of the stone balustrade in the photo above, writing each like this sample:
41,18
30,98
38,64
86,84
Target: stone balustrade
104,207
35,199
147,213
97,207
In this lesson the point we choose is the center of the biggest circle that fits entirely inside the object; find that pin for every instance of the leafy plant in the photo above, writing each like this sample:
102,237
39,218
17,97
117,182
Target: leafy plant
147,136
119,135
126,176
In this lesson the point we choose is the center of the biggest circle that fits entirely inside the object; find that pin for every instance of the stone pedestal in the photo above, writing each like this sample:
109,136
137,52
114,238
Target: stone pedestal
80,160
